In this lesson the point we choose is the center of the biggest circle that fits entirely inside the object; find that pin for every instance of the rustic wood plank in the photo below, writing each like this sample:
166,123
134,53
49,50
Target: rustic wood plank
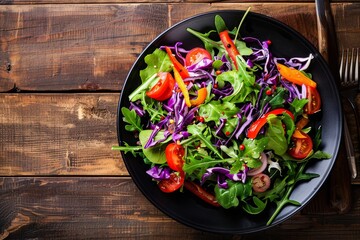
154,1
298,16
59,134
92,47
74,47
94,207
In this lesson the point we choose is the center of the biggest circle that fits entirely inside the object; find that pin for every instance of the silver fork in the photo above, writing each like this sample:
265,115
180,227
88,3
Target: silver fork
349,74
350,87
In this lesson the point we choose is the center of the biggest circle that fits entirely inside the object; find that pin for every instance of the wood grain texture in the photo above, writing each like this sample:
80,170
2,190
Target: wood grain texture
92,47
18,2
74,47
91,208
59,134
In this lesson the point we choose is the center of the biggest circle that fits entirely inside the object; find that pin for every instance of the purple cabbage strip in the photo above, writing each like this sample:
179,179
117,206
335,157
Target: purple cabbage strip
223,174
156,129
169,106
298,63
227,90
159,173
180,135
179,51
204,64
138,109
293,91
249,119
221,126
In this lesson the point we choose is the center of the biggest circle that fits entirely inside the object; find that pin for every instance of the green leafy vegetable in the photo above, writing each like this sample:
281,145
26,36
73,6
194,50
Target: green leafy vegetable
154,154
156,62
133,120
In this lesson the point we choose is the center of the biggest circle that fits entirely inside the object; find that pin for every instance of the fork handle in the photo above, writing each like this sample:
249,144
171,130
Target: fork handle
350,150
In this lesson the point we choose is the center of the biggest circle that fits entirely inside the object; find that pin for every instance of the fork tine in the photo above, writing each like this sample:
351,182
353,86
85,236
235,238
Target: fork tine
346,74
356,77
351,70
341,69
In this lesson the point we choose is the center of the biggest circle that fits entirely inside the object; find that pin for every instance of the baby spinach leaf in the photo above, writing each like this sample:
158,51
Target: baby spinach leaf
156,62
154,154
275,133
231,196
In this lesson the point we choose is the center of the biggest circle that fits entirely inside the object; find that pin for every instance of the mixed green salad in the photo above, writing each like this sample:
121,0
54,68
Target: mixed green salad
228,121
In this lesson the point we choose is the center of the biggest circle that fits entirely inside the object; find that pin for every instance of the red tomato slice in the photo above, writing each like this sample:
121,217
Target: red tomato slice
174,156
256,126
260,182
173,183
201,193
195,55
163,88
314,103
301,147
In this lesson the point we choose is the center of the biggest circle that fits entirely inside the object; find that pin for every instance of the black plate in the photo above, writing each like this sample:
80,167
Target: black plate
286,42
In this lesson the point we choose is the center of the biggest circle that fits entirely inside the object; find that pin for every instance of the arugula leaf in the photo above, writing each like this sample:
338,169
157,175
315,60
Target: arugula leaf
214,110
253,147
202,164
209,44
260,206
197,131
281,203
242,82
133,120
134,150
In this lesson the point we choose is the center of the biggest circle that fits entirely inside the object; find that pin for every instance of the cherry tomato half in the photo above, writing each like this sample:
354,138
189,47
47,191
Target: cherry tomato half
314,103
174,154
301,146
195,55
172,184
260,182
163,88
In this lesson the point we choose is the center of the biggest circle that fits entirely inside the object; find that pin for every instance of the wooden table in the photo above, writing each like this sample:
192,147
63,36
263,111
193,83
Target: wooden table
62,68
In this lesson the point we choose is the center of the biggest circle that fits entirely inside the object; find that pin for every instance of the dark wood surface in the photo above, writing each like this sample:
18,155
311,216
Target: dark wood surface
62,68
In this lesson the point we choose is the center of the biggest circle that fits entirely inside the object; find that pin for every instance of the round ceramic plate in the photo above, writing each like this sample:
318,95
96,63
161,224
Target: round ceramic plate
185,207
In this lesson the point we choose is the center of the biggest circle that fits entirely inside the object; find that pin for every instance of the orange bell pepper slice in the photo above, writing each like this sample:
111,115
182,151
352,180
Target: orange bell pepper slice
294,76
202,94
177,65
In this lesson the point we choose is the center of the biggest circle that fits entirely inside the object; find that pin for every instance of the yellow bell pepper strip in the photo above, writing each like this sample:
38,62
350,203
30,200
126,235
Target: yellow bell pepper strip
202,94
229,46
182,87
177,65
294,76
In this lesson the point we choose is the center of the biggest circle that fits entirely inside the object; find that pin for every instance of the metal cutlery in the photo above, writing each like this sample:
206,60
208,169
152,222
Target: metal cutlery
350,87
329,49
